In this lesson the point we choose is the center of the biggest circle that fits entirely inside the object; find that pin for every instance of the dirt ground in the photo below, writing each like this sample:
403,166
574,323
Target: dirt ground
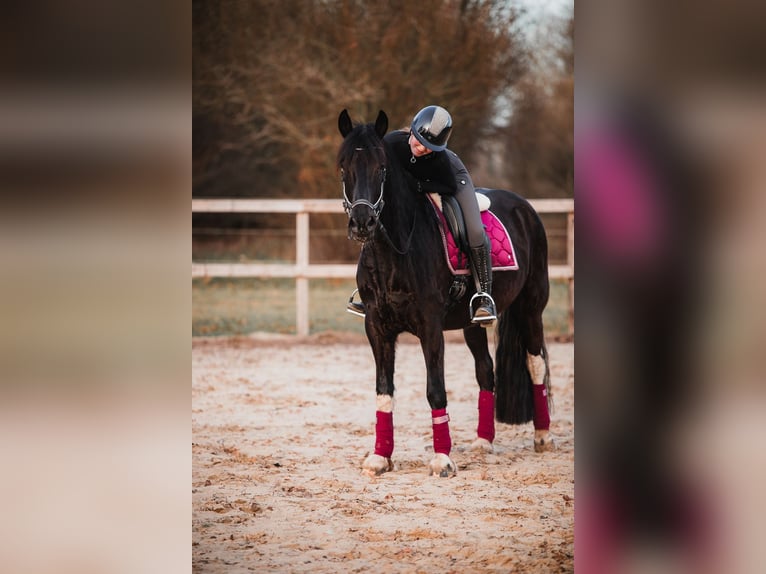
281,426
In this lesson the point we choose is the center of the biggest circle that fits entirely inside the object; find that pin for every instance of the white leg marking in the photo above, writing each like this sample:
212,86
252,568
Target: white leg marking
536,365
384,403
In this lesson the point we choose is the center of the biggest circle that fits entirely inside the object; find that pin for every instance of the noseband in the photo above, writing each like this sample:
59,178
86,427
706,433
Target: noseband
376,207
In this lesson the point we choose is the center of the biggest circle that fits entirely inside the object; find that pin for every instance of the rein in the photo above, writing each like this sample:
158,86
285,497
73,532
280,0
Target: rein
409,238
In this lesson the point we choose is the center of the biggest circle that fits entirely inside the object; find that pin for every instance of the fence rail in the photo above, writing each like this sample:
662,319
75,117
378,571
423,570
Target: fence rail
302,270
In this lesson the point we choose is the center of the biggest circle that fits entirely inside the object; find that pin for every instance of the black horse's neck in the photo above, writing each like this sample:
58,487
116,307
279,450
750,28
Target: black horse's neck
403,209
365,154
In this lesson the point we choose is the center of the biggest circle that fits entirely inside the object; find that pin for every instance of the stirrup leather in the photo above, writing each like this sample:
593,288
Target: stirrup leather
353,307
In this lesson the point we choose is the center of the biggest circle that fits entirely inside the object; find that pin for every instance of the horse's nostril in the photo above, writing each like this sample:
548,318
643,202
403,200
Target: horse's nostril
362,224
357,231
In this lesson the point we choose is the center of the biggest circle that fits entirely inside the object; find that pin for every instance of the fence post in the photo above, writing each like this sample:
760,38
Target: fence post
301,280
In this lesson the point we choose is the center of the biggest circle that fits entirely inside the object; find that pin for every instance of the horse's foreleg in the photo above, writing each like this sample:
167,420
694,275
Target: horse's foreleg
380,461
433,351
476,339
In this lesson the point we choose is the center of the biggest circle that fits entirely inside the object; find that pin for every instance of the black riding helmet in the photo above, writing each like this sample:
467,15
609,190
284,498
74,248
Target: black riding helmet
432,127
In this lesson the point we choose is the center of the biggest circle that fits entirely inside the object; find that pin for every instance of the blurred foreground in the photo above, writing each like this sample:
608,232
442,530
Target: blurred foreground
669,135
95,174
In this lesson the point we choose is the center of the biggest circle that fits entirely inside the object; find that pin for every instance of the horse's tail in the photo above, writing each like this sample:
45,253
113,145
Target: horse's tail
514,402
520,339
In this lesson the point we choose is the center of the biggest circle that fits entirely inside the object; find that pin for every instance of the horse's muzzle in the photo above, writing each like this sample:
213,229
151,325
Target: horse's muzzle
362,224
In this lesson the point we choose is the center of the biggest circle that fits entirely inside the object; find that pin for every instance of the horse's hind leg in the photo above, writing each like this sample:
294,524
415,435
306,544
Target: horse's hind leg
476,339
539,369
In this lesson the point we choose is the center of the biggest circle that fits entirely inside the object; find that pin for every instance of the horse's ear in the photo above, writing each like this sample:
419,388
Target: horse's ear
345,125
381,124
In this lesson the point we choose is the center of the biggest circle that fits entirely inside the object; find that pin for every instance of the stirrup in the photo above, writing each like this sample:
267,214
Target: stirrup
355,308
485,314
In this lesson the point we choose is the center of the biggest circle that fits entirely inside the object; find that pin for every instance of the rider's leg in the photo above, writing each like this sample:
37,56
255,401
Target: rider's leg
481,267
483,306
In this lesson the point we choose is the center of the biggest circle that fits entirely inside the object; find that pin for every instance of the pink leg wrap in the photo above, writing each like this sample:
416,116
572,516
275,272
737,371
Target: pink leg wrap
486,428
440,423
384,434
542,419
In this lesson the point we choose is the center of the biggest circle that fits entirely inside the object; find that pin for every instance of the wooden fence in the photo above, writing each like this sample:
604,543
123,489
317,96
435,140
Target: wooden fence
302,270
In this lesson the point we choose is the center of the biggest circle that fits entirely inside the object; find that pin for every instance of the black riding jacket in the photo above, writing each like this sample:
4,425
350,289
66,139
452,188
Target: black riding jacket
438,172
443,173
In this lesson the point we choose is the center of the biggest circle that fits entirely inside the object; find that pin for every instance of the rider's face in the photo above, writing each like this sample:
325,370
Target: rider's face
417,148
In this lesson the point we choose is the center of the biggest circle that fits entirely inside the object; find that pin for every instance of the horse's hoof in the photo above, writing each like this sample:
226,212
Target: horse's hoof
375,465
482,445
543,441
442,465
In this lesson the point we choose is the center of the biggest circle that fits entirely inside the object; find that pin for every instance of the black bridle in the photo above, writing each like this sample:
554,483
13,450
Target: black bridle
376,207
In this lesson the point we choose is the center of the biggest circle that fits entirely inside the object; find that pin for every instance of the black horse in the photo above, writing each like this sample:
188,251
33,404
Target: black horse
404,282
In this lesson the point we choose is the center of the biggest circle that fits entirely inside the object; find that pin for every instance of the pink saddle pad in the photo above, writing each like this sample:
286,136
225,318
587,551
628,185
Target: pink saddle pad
503,254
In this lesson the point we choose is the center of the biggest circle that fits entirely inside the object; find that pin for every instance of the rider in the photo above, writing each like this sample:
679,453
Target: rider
422,151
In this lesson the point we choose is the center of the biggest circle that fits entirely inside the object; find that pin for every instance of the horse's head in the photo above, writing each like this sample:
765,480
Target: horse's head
362,163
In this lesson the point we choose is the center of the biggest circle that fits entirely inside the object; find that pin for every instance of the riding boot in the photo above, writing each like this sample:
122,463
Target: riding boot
355,308
483,311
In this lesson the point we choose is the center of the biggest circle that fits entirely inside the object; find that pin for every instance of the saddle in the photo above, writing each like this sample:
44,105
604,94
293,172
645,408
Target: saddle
453,216
455,238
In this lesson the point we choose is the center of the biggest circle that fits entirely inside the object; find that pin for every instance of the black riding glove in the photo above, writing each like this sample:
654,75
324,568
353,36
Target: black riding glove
429,186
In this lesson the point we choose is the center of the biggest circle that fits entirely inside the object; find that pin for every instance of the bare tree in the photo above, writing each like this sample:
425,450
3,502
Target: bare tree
540,136
271,76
